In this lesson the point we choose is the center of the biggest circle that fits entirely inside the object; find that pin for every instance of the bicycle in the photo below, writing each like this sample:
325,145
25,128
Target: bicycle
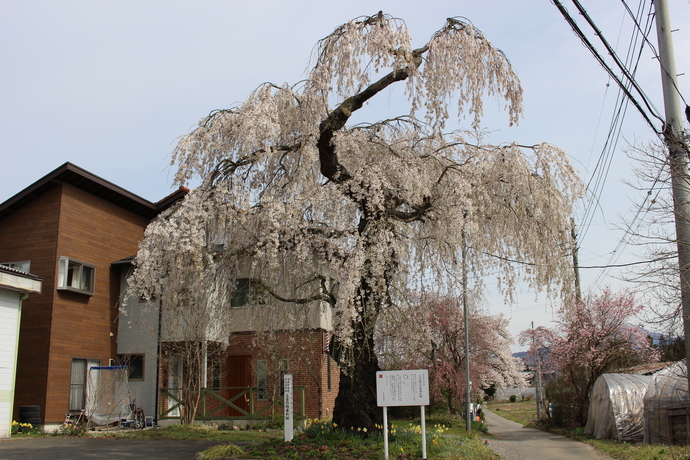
136,417
74,421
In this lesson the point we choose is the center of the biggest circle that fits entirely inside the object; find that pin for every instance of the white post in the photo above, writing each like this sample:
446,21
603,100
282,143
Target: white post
423,435
204,364
287,407
385,432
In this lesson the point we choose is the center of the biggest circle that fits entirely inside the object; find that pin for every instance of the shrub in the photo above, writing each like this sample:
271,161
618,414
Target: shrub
221,451
480,426
513,398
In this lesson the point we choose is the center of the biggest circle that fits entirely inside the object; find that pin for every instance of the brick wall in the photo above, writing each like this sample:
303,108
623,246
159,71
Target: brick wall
307,362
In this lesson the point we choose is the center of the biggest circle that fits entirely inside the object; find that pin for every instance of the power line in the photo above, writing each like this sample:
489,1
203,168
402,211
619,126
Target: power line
603,166
626,84
630,264
653,48
602,62
620,65
634,64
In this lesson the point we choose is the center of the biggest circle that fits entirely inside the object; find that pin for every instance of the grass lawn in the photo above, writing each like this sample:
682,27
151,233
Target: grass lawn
524,412
446,439
322,441
195,432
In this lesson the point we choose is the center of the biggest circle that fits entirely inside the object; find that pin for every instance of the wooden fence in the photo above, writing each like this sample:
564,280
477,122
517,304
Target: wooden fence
228,403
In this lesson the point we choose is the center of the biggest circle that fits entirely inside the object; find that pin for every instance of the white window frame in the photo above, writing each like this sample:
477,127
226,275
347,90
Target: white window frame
76,276
21,265
78,382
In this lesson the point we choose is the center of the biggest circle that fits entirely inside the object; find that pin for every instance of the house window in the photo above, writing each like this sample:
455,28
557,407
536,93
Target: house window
215,375
22,266
282,370
247,293
262,379
241,295
77,386
75,276
135,366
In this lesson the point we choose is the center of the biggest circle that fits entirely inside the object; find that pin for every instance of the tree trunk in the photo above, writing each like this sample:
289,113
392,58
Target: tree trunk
355,406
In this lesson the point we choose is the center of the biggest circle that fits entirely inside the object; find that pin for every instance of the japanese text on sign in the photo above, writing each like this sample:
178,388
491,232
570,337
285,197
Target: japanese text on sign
402,388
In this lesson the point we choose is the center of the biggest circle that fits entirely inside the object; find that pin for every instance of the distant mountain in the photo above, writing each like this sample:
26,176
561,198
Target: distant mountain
520,354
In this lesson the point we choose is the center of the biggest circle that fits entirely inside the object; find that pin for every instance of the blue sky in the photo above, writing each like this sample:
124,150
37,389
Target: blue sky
110,85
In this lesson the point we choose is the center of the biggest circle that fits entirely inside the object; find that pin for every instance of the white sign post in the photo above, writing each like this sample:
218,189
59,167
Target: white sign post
402,388
287,407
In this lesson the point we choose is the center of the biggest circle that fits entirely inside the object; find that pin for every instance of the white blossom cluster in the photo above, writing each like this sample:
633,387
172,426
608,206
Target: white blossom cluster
404,201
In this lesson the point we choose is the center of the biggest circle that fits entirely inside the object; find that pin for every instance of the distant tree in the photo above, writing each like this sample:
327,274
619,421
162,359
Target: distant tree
431,335
591,337
490,392
653,232
671,348
352,215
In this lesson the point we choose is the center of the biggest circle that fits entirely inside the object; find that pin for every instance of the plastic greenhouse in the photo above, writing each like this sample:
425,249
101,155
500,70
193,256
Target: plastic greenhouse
616,407
666,410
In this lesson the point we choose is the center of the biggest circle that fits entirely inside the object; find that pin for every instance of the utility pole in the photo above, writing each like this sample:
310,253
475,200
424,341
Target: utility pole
677,155
576,264
538,388
466,314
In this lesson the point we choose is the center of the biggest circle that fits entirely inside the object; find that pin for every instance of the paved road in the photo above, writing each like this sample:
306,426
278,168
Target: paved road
54,448
512,441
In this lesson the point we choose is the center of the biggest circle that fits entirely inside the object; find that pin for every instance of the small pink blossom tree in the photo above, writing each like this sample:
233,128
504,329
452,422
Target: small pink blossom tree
435,341
591,337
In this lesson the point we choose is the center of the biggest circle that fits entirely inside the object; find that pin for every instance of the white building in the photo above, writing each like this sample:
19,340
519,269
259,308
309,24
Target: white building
15,286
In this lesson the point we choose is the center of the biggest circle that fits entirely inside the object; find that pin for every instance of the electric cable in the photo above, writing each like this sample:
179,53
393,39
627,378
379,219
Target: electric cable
620,65
602,62
609,148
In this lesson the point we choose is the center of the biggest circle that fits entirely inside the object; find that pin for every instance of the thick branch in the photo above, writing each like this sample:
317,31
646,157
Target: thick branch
331,168
323,296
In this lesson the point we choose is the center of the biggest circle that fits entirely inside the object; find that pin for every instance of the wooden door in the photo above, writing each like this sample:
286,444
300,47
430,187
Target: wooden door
239,378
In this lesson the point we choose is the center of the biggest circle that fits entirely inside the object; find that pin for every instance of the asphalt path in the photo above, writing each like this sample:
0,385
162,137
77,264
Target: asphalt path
57,448
512,441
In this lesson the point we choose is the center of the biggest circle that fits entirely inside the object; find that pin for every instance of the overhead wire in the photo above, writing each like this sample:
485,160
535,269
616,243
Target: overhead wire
653,49
632,62
602,168
603,63
630,78
626,87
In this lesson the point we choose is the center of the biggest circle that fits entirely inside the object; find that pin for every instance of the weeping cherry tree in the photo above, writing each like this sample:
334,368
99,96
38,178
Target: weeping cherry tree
351,215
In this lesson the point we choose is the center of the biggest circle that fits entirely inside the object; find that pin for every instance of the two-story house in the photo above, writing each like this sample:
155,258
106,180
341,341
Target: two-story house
79,233
68,228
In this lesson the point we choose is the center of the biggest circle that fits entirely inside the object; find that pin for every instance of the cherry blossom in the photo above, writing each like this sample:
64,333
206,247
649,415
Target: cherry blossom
319,210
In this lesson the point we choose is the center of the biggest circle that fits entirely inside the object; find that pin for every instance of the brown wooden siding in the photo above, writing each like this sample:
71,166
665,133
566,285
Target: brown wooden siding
31,234
60,325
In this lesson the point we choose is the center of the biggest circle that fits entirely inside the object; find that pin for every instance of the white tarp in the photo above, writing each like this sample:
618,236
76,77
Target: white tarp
616,407
668,389
107,394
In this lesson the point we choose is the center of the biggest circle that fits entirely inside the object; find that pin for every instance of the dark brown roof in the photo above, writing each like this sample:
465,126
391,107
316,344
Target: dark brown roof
78,177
